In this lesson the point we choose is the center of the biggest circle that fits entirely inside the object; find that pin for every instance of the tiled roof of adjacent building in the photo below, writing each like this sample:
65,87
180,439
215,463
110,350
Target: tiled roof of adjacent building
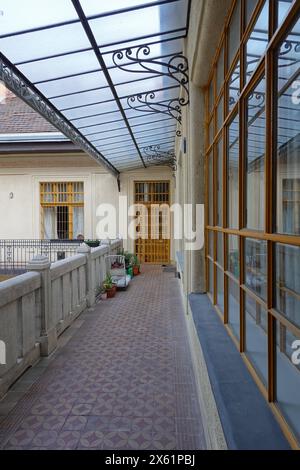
16,117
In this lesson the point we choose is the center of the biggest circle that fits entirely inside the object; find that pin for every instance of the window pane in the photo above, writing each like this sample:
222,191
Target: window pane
257,42
220,182
211,131
211,96
211,244
233,174
234,307
250,5
220,289
288,282
211,278
256,337
288,378
233,255
283,7
256,266
211,190
255,161
220,249
234,87
288,142
234,33
220,71
220,113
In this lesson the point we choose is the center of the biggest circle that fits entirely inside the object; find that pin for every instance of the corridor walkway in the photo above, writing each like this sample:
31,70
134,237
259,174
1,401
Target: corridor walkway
121,379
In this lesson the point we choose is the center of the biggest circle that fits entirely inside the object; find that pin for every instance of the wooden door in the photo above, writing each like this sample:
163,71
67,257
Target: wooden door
154,248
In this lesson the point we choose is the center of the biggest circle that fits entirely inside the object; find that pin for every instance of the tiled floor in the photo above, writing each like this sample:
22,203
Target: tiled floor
122,379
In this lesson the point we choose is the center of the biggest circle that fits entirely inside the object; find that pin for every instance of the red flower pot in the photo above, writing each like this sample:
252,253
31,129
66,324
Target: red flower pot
111,292
136,270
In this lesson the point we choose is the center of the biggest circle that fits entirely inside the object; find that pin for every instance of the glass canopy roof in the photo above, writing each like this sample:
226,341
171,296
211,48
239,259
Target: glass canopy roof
110,71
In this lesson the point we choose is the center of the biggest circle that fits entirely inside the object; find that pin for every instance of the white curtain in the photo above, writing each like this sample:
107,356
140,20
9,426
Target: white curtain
78,222
50,223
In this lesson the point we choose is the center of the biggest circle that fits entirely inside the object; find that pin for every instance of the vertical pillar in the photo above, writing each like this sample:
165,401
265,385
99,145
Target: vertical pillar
90,274
196,152
48,333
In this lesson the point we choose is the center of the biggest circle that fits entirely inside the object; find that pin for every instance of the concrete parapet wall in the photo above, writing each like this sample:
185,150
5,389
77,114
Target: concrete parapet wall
36,307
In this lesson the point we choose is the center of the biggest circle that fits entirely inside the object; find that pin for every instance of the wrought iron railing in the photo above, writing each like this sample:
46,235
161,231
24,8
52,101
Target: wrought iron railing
15,254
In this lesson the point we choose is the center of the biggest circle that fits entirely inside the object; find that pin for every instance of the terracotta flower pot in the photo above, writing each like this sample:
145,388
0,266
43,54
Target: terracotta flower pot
111,292
136,270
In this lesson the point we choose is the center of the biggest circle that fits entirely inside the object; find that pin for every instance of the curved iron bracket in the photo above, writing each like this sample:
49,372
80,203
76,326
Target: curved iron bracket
136,60
155,156
176,67
171,108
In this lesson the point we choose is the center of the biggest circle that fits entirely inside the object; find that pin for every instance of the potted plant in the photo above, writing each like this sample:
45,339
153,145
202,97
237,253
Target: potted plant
109,286
135,265
92,243
128,264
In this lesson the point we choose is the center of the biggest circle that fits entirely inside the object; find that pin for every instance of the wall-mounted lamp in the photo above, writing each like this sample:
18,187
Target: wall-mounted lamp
11,195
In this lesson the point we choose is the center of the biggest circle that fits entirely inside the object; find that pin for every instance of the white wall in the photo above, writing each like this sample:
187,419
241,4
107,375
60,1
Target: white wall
20,217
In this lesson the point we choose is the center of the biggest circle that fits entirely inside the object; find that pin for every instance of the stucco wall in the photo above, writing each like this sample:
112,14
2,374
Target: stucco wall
20,217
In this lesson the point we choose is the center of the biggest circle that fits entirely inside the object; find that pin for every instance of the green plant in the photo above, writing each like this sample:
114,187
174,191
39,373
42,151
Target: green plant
128,258
135,261
108,282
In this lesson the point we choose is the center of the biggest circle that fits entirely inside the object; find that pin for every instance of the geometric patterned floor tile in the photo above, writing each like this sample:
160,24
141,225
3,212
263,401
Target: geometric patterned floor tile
123,378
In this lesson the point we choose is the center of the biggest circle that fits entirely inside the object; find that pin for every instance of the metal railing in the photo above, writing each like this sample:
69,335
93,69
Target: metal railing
15,254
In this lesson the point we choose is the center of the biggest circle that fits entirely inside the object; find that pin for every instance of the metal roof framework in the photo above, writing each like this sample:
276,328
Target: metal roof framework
113,80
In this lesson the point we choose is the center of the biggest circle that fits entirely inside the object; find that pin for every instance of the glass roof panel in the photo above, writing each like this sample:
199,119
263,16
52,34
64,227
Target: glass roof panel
43,43
109,46
84,98
59,66
94,7
73,82
70,85
153,20
82,111
18,15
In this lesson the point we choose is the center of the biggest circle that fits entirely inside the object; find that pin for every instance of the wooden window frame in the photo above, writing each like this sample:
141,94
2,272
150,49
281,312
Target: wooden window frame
267,67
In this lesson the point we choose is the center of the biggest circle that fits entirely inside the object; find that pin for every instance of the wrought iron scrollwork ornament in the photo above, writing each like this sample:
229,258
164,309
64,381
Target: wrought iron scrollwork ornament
138,60
155,156
176,67
146,103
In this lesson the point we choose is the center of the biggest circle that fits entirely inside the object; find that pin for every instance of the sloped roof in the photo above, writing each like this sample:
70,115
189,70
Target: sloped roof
17,117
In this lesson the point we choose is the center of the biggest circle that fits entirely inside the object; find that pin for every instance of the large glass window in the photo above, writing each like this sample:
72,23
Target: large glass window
288,140
233,174
257,193
256,266
255,158
256,337
288,282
